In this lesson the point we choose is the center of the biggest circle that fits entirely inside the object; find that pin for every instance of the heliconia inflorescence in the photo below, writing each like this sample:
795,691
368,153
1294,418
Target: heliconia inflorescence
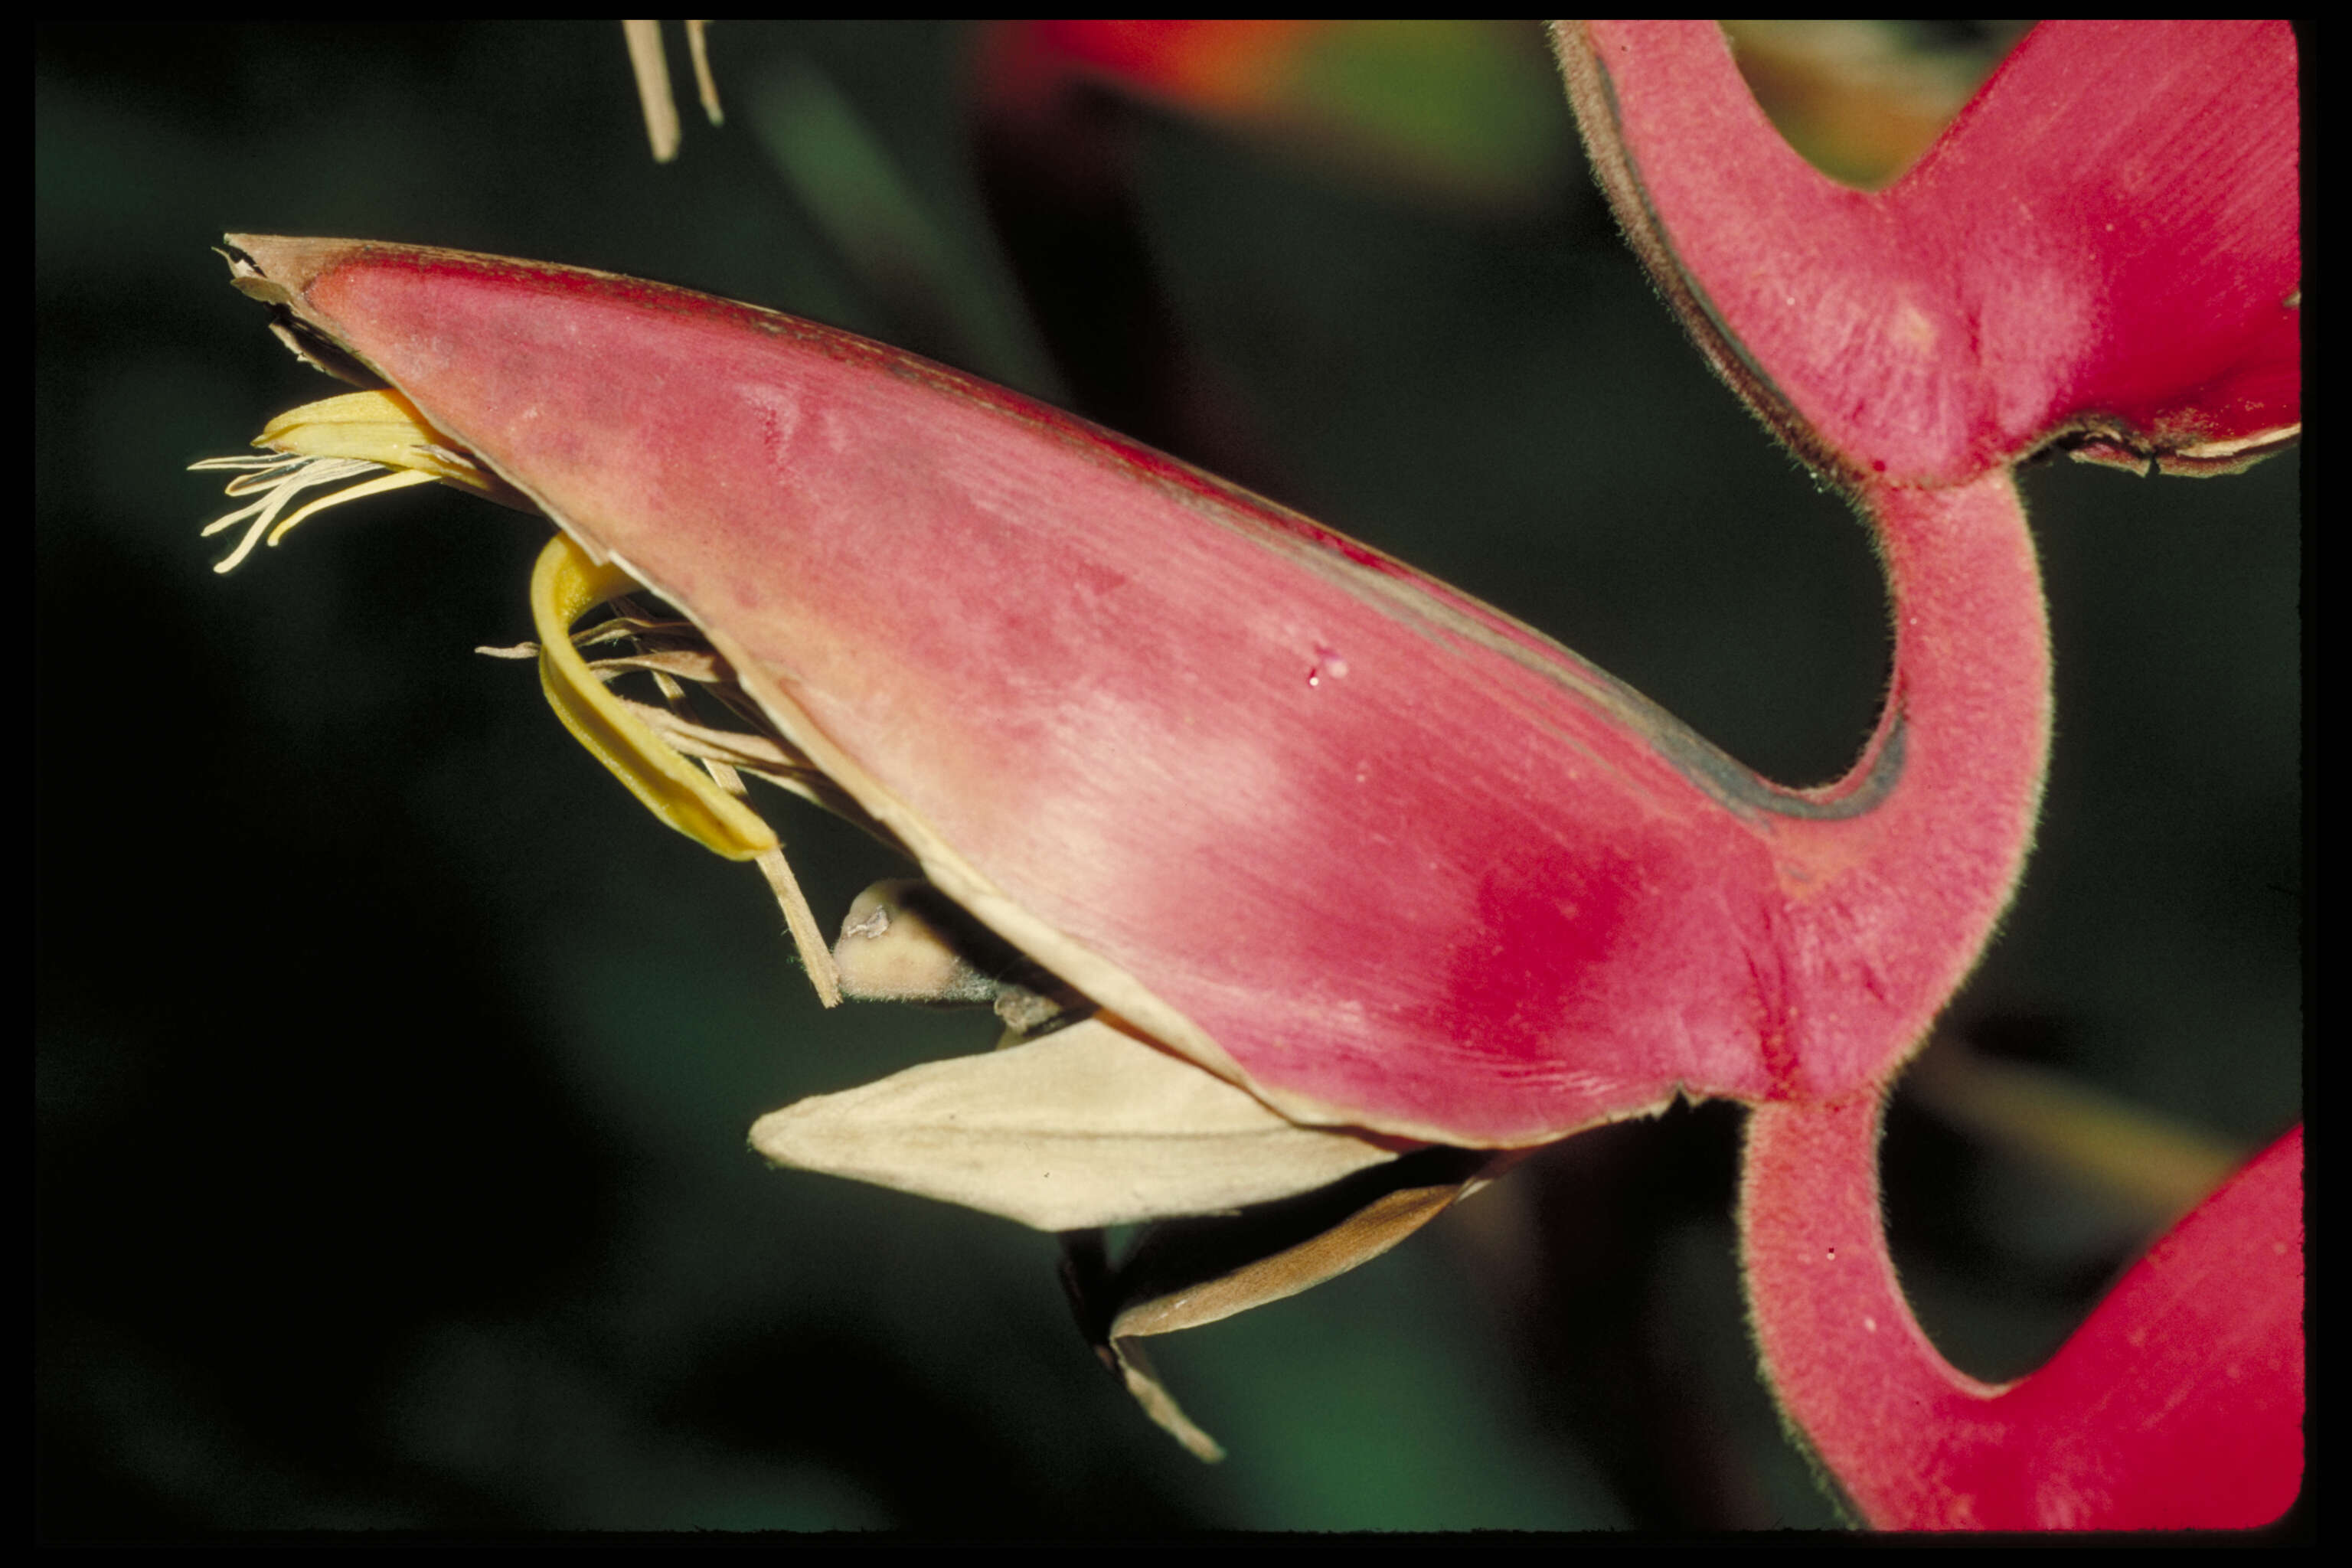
1296,861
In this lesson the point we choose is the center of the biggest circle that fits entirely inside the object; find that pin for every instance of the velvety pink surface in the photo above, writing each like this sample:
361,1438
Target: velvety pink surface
2104,248
2106,238
2178,1405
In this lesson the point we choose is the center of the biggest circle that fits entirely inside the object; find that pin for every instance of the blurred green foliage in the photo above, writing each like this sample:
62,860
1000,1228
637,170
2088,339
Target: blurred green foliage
393,1070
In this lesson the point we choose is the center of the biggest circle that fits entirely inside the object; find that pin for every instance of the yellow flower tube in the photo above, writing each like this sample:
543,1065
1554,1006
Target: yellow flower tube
565,586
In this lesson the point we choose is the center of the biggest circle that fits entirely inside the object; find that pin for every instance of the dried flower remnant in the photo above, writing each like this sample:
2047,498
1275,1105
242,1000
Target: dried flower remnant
649,63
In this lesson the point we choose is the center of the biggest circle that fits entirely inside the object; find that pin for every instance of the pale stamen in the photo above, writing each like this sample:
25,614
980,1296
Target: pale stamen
281,477
383,441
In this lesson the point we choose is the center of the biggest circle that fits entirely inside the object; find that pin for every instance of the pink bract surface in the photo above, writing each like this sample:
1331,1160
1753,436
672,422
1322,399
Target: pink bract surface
2178,1405
2106,241
1394,859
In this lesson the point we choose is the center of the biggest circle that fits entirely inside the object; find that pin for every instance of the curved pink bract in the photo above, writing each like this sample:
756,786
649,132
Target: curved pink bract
1398,861
2178,1405
2106,243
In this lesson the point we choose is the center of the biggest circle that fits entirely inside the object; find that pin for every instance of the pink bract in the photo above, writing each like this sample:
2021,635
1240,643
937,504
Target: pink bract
1389,857
2105,245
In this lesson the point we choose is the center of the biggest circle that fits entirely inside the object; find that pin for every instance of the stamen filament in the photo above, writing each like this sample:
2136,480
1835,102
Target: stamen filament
382,441
373,486
340,438
706,804
282,477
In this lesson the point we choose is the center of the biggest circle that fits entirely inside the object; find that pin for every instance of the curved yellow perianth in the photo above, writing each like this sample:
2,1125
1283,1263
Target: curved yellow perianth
565,586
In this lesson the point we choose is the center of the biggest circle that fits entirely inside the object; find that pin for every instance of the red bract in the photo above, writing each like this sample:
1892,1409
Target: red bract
2103,247
2101,251
2178,1405
1375,850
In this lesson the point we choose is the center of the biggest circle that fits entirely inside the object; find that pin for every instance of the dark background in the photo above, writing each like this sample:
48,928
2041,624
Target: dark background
392,1069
